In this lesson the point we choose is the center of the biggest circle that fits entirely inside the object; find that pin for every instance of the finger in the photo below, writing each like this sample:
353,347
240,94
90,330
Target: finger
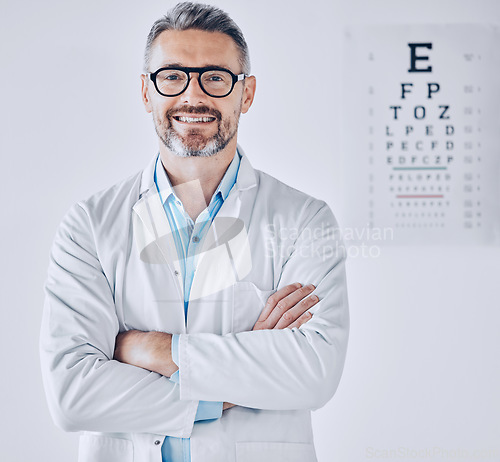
275,298
302,320
296,311
286,303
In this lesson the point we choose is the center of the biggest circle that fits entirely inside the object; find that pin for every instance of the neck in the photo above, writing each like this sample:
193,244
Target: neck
195,179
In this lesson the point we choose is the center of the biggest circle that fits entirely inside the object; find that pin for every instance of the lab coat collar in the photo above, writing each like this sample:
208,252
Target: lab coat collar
228,180
246,179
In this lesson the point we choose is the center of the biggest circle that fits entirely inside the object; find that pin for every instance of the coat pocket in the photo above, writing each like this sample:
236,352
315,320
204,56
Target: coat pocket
274,452
99,448
248,303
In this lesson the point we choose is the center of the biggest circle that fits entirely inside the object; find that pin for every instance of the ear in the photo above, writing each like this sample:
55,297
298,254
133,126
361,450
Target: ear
248,93
145,92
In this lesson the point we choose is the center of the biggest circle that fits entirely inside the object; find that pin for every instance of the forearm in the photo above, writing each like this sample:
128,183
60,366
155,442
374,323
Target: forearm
250,369
149,350
88,392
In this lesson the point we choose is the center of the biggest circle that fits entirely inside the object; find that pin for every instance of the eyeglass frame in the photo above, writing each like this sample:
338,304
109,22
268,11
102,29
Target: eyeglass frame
200,70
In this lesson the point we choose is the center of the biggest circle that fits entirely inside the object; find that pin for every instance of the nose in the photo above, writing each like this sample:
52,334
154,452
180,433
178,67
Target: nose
193,94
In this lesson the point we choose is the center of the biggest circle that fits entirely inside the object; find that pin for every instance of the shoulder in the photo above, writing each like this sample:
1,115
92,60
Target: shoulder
117,195
298,205
106,207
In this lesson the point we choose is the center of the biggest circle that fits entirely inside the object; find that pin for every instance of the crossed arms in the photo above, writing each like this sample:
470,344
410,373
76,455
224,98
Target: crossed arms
286,308
89,390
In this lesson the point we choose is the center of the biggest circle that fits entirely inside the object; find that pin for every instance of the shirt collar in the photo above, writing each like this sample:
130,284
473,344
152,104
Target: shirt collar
228,180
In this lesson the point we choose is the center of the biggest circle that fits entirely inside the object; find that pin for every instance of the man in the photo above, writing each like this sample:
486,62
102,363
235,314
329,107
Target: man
175,326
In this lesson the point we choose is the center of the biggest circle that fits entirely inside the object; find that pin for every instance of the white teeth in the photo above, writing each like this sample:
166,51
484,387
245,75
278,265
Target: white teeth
192,120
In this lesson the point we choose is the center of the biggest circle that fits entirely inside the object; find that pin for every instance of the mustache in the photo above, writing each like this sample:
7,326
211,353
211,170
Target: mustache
198,110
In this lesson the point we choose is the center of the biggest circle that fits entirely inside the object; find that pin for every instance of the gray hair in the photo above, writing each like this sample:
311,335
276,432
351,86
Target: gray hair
188,15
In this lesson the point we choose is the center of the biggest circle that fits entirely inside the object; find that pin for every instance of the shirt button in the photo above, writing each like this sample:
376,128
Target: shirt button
176,273
157,442
195,239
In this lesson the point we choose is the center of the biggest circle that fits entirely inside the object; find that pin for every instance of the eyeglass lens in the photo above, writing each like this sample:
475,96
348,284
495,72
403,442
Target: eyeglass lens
214,82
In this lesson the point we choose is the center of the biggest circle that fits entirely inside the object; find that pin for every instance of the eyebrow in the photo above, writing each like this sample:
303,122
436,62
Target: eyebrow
175,65
171,65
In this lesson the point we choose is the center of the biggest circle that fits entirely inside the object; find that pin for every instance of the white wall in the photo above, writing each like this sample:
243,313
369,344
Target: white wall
423,363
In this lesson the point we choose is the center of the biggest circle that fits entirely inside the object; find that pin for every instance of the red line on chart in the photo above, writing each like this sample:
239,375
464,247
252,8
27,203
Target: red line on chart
420,196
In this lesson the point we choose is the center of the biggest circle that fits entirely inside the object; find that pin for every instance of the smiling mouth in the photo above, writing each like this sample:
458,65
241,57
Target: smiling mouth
194,120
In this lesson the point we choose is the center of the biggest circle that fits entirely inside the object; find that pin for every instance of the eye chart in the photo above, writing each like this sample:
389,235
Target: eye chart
421,133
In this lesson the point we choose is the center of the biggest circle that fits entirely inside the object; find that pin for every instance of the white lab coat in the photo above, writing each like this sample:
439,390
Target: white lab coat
112,269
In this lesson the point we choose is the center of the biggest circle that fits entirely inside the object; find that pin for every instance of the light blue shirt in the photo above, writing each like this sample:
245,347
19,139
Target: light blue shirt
188,237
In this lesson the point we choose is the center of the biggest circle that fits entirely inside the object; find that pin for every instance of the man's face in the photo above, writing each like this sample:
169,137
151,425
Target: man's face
193,123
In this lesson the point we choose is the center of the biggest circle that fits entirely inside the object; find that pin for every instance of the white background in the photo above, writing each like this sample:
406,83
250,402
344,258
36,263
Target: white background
423,367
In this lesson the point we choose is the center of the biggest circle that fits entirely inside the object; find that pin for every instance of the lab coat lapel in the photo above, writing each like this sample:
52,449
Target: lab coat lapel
225,256
152,232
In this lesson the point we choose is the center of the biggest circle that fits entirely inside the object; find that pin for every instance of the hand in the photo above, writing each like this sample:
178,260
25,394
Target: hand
286,308
149,350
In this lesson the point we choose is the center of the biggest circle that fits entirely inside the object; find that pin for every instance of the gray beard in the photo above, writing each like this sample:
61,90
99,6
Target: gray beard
179,147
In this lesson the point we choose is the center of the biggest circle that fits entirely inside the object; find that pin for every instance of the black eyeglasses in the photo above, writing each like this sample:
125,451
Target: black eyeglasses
214,81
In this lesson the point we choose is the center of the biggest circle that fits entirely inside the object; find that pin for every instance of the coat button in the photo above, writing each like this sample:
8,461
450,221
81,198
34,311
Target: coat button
157,442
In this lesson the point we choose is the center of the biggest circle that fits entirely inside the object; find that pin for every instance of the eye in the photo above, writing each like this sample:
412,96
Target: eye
171,75
216,77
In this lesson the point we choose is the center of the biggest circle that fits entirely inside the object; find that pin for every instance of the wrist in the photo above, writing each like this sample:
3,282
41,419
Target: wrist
161,353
